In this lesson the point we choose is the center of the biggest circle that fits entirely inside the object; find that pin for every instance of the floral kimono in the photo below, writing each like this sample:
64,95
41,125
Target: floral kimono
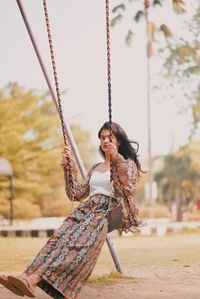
69,256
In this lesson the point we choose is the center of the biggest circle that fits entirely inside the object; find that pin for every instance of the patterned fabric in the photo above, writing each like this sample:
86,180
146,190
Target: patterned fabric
69,256
124,176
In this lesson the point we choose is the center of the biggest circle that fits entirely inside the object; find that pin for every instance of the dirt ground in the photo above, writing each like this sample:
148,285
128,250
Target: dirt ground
148,283
160,268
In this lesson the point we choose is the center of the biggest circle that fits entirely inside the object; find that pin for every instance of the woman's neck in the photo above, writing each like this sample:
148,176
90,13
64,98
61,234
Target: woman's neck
107,160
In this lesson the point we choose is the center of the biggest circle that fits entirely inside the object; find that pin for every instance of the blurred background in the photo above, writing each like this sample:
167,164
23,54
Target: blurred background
155,66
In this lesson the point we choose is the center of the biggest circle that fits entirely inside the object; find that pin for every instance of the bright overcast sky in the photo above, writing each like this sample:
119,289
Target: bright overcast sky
79,36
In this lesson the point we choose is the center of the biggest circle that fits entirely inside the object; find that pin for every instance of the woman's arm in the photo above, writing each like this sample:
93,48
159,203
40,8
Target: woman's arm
125,175
74,190
124,172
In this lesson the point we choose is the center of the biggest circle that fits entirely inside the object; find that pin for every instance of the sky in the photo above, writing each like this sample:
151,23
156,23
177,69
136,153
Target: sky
80,45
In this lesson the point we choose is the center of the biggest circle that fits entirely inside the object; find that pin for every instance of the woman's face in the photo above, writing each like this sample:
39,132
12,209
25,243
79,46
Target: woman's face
105,139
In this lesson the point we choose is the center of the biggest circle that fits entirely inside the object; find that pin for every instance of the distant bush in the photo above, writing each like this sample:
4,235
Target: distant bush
4,209
160,211
57,208
22,209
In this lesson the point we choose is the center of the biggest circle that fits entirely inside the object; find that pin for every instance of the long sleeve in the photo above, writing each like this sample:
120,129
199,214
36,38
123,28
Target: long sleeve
125,176
80,190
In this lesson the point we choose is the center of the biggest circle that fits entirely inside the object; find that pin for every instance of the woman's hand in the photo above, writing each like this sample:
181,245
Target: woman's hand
66,154
111,149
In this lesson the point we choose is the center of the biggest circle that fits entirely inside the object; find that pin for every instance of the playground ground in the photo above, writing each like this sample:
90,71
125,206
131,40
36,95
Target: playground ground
156,267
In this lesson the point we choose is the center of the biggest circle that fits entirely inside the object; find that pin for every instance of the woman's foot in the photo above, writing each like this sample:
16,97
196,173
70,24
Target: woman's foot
23,283
7,284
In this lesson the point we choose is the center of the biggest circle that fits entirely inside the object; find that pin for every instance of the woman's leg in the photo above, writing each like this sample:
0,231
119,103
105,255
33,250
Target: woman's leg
33,279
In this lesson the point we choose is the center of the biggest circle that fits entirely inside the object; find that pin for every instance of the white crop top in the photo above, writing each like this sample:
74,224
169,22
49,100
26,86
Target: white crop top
100,183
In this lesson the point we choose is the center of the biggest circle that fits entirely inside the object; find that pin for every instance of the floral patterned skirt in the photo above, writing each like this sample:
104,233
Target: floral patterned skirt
69,256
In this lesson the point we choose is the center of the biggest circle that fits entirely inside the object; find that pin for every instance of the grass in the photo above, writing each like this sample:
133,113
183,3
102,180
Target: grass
169,251
110,278
133,252
190,230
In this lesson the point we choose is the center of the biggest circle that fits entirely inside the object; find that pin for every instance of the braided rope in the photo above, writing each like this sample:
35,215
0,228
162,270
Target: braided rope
146,5
108,64
55,75
109,76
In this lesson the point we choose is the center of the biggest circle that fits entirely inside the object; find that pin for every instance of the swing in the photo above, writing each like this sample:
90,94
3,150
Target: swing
67,130
114,215
55,70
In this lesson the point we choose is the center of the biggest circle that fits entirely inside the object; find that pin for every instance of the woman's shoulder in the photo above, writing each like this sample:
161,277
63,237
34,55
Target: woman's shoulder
94,167
131,163
119,159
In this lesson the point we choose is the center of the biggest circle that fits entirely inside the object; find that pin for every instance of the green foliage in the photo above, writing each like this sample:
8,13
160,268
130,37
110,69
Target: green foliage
178,6
129,37
182,66
160,211
166,31
56,208
115,20
180,175
31,139
23,209
119,7
140,193
88,151
139,12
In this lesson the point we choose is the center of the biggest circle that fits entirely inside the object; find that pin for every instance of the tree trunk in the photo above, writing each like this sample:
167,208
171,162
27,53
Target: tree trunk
176,208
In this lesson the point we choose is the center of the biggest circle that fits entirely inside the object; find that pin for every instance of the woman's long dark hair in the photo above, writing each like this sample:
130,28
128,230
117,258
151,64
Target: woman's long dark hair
125,147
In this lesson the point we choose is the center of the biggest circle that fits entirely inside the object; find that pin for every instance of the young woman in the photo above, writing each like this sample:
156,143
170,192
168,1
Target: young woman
68,258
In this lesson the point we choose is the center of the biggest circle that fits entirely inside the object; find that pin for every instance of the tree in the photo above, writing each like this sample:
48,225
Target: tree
142,9
182,67
178,180
139,9
31,139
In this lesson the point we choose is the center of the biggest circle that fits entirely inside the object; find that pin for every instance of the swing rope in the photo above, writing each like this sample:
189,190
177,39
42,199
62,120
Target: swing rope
55,70
109,77
60,110
55,75
108,65
53,61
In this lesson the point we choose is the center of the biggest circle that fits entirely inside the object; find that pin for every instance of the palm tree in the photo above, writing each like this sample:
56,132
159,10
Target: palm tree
119,12
151,29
